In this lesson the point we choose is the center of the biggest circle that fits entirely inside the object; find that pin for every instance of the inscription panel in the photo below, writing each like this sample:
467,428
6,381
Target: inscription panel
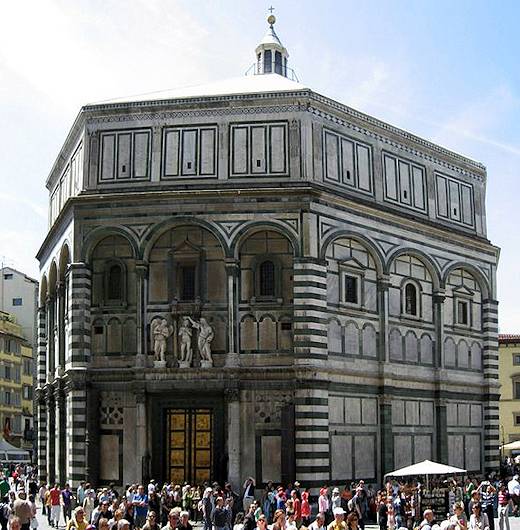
454,200
258,149
189,152
125,155
347,162
405,183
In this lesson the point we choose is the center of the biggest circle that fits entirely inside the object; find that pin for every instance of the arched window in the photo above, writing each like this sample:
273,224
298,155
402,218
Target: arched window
115,282
267,279
410,299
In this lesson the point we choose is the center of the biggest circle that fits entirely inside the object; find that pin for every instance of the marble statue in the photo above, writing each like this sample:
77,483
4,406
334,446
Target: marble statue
186,351
206,335
161,330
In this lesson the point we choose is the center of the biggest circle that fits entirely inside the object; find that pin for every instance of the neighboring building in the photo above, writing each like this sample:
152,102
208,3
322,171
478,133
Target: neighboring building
16,383
509,372
19,297
341,263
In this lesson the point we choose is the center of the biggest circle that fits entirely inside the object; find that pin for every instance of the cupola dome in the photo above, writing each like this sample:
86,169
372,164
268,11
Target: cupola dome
271,54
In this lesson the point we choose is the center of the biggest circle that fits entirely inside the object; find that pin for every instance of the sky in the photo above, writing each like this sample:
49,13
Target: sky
447,71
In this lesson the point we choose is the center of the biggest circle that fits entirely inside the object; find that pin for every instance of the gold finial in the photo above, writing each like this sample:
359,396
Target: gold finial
271,19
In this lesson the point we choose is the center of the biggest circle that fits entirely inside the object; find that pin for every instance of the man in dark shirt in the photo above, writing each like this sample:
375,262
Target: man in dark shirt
184,523
66,496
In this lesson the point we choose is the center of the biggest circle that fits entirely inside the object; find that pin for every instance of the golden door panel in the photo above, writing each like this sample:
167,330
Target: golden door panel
190,445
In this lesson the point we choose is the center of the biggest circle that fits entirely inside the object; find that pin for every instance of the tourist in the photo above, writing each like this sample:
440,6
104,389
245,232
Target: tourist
219,516
77,520
319,522
478,520
239,521
382,510
89,501
428,520
32,503
140,502
118,515
278,520
184,521
123,525
154,503
55,497
335,499
352,521
323,502
458,520
207,508
297,507
487,496
281,499
249,493
151,520
4,486
173,520
261,524
129,515
41,496
14,523
102,511
513,487
339,519
475,499
504,503
103,524
290,522
80,493
305,508
5,512
23,510
66,500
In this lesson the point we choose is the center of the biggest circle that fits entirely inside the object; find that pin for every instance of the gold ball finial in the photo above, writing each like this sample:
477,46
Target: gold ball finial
271,19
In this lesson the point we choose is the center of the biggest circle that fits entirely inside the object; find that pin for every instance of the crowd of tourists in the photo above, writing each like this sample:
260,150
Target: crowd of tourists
445,505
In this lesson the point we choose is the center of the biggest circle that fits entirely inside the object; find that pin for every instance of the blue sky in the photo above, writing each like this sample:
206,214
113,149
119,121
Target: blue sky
446,70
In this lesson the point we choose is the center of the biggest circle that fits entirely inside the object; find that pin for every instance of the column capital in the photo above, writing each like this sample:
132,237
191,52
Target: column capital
78,266
383,282
232,266
232,393
321,262
439,296
141,269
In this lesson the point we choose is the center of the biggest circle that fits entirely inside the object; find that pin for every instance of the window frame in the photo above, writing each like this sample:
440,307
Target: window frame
114,302
257,296
516,390
516,355
344,270
418,301
467,302
17,302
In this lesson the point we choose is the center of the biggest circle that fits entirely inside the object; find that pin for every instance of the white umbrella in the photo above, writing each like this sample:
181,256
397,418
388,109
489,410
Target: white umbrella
427,467
512,446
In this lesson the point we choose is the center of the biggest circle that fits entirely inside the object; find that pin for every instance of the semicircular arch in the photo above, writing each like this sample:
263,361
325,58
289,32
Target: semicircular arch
479,276
159,229
98,234
366,242
248,229
426,260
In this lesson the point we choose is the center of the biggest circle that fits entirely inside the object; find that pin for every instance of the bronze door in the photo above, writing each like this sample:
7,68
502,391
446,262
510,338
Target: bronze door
189,445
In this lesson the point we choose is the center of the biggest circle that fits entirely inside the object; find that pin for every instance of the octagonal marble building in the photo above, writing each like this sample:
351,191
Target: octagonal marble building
341,264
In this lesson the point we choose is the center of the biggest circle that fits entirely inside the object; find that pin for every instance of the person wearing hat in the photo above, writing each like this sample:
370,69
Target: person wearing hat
335,500
339,519
323,502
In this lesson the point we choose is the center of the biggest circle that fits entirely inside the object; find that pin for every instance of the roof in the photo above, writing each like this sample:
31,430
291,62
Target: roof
251,84
6,267
507,338
271,37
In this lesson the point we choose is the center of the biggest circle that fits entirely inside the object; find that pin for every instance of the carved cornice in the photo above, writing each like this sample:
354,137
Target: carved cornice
232,393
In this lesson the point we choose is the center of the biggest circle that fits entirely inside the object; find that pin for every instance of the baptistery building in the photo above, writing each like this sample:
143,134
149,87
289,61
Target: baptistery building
248,278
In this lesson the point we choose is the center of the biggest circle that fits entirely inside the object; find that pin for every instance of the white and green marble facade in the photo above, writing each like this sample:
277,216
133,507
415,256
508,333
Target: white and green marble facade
344,390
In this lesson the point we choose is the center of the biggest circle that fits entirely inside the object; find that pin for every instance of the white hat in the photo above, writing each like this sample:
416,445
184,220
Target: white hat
335,490
338,511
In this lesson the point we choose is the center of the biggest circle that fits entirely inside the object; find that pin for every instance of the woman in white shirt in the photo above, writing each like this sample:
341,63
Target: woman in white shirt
478,519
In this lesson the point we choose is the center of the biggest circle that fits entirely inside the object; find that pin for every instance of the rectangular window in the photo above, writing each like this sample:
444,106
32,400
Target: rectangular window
517,389
351,289
8,276
8,398
17,301
188,282
516,359
517,419
7,372
462,313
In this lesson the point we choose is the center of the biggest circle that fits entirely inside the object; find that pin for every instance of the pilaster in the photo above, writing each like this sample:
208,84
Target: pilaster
386,435
233,271
438,318
383,285
232,396
42,446
50,434
79,318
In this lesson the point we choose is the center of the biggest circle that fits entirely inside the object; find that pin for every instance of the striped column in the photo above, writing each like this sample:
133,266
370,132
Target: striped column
311,400
41,372
76,430
51,434
60,437
41,418
311,424
490,369
310,306
78,330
